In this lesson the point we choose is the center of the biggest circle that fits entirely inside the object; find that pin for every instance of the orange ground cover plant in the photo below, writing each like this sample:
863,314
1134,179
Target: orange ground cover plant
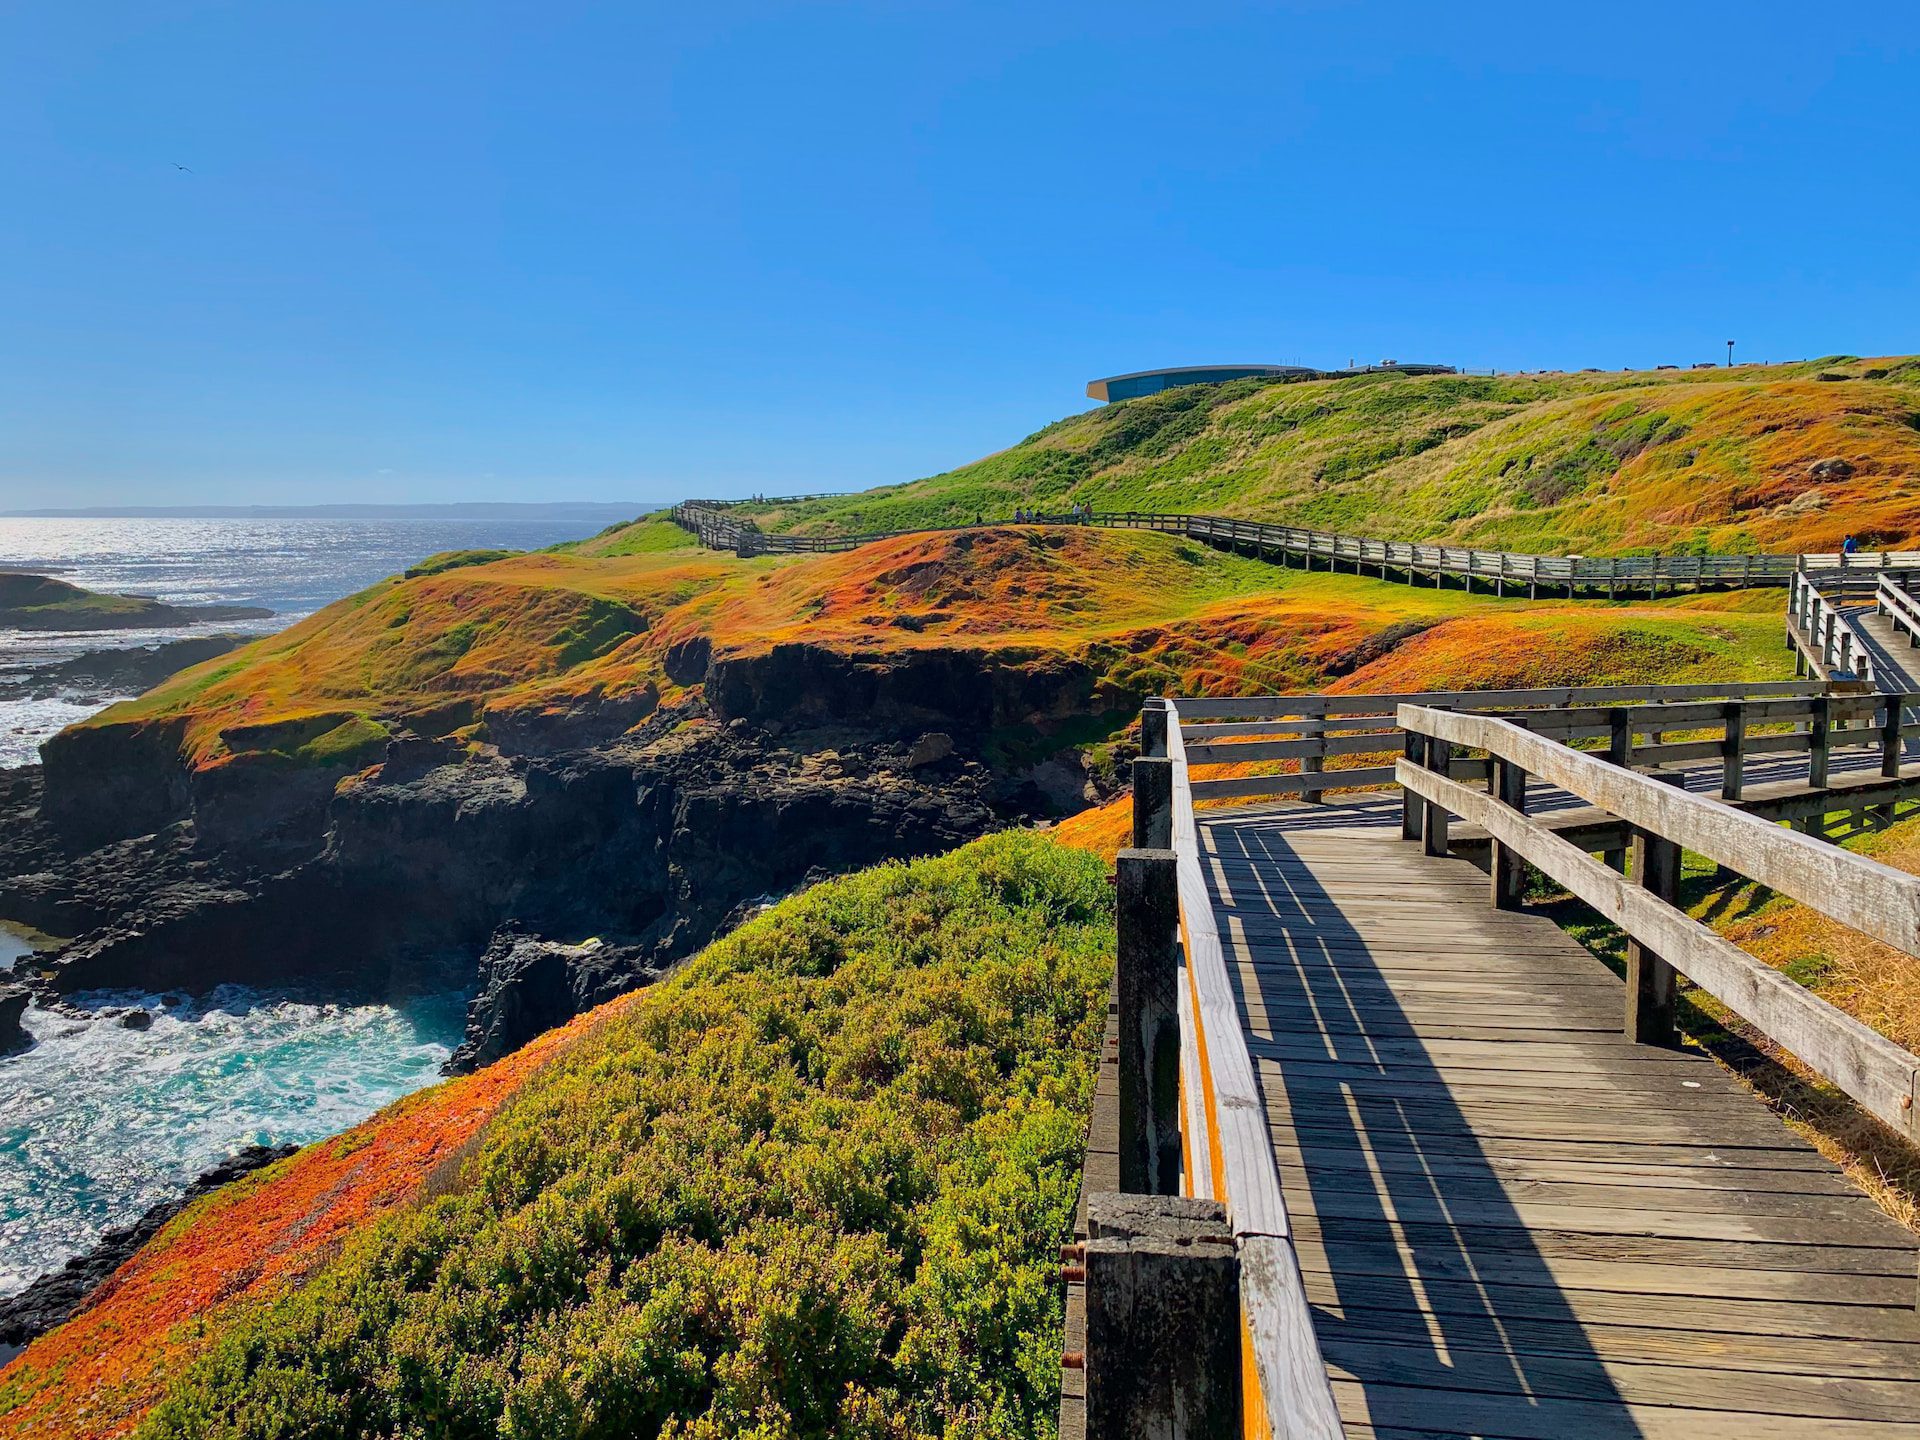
93,1377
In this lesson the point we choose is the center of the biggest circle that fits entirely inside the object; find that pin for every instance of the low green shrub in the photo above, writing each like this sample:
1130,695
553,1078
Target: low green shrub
812,1186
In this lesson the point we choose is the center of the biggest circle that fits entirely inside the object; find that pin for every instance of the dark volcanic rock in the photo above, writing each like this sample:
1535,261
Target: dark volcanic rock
13,1004
529,985
589,722
55,1298
898,694
649,846
110,782
131,671
649,834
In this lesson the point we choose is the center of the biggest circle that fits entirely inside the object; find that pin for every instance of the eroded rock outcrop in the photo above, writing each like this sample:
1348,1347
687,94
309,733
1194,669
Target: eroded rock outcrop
13,1005
439,862
528,985
650,846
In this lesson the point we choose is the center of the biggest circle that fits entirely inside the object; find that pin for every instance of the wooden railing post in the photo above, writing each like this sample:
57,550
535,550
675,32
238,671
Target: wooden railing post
1153,803
1412,809
1733,758
1153,728
1163,1359
1620,752
1314,765
1433,827
1652,984
1146,895
1620,737
1890,743
1507,783
1819,742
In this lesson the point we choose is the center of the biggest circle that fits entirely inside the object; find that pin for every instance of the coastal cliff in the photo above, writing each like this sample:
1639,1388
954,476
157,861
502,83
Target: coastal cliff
553,779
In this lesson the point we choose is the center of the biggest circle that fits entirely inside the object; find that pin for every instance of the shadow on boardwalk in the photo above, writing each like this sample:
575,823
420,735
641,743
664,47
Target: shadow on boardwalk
1409,1224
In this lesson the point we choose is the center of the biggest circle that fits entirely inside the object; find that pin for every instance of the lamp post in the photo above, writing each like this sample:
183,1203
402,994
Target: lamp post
1729,354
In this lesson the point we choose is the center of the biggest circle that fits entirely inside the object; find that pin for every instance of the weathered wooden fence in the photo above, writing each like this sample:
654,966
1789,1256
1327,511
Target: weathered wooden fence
1189,1123
1292,738
1893,597
721,527
1820,629
1192,1131
1665,941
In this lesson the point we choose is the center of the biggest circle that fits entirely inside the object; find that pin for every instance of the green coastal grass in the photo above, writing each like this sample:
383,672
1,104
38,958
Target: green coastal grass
1599,463
813,1186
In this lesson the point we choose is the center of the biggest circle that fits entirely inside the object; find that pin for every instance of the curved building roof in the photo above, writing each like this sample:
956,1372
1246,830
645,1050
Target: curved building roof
1149,382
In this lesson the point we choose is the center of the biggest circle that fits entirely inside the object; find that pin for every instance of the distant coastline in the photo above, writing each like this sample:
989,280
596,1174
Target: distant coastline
603,511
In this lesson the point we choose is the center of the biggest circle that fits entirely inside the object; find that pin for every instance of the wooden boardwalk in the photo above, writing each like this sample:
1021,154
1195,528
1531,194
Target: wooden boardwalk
1512,1221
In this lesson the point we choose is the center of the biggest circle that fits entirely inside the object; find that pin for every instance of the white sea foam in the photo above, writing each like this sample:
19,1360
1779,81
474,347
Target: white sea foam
291,567
98,1121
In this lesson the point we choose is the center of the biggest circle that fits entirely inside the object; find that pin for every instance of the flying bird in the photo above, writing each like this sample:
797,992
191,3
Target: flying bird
178,166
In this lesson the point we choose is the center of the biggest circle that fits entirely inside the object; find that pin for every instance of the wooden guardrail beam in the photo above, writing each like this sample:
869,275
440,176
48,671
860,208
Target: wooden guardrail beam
1854,890
1235,1163
1869,897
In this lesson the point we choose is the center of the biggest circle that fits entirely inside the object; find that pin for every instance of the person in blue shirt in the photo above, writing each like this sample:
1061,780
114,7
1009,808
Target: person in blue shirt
1849,546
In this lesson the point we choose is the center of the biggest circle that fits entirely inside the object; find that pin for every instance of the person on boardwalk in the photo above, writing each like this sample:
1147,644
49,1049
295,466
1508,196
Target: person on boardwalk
1849,546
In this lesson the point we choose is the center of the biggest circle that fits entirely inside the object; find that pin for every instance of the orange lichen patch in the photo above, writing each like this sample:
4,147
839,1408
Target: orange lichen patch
1572,645
97,1374
1105,830
1872,981
445,651
1008,583
415,649
467,651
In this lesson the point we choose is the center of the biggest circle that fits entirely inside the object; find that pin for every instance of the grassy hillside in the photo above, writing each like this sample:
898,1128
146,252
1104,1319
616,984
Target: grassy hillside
1757,458
456,648
814,1185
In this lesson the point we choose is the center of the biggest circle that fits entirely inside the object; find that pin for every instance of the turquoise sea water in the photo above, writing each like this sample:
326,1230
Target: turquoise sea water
97,1121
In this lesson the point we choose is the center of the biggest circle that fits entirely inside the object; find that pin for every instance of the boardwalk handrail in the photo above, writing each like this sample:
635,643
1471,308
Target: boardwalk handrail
1893,598
1311,730
719,529
1860,893
1231,1152
1822,632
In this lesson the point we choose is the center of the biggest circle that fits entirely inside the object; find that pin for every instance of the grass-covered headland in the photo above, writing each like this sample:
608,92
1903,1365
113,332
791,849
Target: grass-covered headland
814,1185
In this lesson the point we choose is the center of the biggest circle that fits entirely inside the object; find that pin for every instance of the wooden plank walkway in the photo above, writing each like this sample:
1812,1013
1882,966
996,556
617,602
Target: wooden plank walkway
1512,1221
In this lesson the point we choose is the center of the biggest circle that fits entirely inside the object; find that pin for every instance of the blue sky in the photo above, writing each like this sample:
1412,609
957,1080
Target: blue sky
437,251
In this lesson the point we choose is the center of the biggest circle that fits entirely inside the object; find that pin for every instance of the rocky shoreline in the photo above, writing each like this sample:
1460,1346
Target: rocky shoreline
128,671
54,1298
545,879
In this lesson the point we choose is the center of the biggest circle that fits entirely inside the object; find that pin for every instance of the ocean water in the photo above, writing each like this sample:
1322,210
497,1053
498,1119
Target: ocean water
291,567
97,1121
